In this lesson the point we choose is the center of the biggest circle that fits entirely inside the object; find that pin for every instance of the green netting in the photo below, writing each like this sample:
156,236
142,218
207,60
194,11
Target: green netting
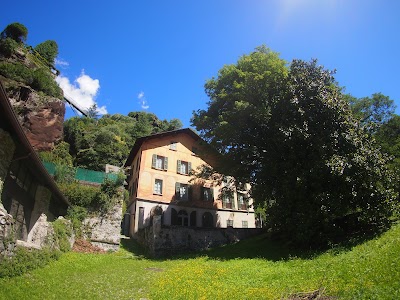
84,174
50,167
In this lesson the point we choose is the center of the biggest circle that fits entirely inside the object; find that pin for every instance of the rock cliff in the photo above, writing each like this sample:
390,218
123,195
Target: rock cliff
41,116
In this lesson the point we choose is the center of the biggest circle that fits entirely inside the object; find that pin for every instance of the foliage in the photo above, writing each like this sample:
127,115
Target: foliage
8,47
48,50
25,260
16,71
253,269
80,195
39,79
77,214
59,155
44,81
16,31
62,232
372,111
108,140
289,131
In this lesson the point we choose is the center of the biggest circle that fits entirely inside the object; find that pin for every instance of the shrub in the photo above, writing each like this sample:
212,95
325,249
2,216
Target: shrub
25,260
77,214
62,232
17,72
43,81
48,50
80,195
8,46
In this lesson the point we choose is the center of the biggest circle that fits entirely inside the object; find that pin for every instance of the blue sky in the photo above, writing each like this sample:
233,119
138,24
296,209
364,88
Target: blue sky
155,56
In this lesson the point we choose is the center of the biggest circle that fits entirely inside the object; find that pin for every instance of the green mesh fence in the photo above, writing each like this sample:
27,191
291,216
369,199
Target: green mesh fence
84,174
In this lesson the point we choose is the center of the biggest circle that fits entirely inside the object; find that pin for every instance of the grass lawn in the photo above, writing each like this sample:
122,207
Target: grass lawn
253,269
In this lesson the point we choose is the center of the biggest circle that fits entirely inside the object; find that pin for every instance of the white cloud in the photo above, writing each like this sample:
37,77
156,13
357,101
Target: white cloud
83,91
61,63
142,100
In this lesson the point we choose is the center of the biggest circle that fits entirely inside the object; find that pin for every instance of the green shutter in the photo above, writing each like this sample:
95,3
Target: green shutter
165,163
202,193
153,162
178,166
212,194
189,167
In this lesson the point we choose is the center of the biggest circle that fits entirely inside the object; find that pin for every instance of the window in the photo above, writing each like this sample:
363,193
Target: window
183,219
226,202
229,223
158,185
245,224
207,194
241,201
181,191
183,167
159,162
172,146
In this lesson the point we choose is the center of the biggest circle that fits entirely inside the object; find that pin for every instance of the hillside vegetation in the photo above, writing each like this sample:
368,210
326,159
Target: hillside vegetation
252,269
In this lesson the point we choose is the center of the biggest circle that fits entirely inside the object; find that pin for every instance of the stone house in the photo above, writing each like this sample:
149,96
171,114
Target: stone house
160,183
29,195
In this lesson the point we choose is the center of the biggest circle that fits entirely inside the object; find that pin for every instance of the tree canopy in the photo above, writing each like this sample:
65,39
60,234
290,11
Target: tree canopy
108,140
16,31
48,50
289,130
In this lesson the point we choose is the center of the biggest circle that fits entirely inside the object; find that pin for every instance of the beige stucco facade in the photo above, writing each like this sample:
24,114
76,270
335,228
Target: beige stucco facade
158,179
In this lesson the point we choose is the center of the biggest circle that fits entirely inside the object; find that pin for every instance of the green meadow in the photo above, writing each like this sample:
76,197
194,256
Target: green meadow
253,269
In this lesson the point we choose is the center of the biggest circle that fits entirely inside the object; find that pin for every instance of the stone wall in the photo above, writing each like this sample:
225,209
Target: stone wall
7,237
7,148
104,230
163,241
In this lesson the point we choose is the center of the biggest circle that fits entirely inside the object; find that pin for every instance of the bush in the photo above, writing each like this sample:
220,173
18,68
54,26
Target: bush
8,46
17,72
62,232
48,50
80,195
25,260
44,81
77,214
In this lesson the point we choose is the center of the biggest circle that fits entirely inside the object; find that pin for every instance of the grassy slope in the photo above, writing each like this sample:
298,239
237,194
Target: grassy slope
254,269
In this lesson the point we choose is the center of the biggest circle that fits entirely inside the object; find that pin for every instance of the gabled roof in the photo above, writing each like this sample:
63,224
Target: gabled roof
23,149
139,142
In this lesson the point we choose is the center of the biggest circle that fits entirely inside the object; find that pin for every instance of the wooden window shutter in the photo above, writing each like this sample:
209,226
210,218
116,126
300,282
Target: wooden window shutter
190,192
153,162
212,194
165,163
189,167
177,190
202,193
178,166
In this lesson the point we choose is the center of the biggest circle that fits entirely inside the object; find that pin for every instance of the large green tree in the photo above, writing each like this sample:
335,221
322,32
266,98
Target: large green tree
372,111
288,130
48,50
16,31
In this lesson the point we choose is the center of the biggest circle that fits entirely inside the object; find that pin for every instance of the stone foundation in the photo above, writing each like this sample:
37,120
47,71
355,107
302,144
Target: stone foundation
163,241
104,231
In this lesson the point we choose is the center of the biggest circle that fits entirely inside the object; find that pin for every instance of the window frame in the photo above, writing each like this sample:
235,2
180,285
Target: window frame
155,190
179,164
178,194
154,160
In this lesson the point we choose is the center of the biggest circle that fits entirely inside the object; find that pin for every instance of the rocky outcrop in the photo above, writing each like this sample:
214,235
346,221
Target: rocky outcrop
41,116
